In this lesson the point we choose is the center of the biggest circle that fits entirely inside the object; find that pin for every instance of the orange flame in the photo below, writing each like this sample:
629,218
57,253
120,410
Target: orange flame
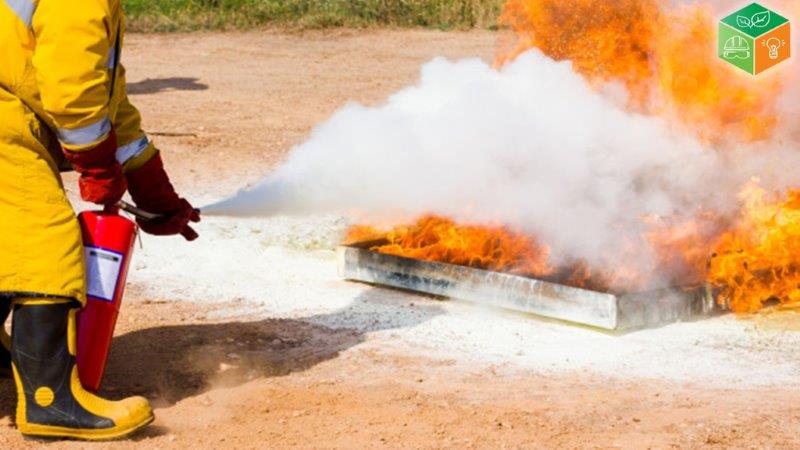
605,41
435,238
496,248
665,59
759,260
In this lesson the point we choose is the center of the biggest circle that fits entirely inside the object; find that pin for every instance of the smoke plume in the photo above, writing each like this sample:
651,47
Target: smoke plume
529,145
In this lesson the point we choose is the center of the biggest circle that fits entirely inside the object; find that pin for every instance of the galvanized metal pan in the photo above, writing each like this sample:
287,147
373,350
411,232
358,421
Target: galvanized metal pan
523,294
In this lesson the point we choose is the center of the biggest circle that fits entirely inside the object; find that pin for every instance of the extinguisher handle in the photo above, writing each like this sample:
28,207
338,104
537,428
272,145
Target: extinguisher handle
138,212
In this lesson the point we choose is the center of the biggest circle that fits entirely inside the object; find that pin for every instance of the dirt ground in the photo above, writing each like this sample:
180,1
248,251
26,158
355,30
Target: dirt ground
280,383
226,108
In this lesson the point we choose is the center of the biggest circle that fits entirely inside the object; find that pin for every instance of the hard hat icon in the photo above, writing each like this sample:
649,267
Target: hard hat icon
736,47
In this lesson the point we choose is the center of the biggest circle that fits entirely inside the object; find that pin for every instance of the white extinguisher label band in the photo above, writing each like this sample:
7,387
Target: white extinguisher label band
102,272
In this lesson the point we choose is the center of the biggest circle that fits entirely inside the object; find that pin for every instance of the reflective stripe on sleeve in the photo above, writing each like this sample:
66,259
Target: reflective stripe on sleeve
23,9
132,150
85,135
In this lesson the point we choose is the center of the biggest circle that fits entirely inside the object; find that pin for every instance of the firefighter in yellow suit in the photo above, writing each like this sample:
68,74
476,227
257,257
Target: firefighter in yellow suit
63,103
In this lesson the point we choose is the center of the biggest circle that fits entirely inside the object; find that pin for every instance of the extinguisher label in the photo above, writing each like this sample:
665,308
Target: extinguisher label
102,272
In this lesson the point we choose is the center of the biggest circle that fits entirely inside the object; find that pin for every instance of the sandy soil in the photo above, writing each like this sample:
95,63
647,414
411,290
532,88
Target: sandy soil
245,383
277,352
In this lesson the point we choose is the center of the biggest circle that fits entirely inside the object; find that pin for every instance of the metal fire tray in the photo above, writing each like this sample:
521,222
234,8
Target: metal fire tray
518,293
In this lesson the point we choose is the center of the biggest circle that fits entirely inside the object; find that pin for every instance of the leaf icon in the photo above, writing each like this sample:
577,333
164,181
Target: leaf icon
743,22
761,19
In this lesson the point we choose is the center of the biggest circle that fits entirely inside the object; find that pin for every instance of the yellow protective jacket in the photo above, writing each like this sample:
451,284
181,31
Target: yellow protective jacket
60,83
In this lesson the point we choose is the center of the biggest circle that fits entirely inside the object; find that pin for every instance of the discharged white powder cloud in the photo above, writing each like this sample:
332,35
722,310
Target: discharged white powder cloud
529,145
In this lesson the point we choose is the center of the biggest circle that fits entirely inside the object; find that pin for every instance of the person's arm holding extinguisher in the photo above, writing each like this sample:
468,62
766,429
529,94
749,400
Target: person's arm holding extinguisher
100,130
148,183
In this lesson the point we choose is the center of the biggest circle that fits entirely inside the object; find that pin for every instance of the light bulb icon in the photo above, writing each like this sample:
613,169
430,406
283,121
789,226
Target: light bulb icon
773,44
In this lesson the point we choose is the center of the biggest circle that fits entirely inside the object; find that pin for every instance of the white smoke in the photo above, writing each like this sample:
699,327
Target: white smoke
529,145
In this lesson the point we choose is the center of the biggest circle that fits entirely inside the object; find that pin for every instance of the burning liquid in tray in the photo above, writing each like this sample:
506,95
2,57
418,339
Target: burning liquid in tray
494,248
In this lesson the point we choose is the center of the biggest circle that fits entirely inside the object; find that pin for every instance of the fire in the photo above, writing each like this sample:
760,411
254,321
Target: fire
695,87
664,57
683,247
759,260
605,41
496,248
435,238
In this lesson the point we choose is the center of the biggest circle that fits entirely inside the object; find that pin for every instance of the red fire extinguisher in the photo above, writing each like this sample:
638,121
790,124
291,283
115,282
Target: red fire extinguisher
108,240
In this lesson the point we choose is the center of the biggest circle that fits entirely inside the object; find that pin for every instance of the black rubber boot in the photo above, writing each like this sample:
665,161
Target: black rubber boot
5,340
50,399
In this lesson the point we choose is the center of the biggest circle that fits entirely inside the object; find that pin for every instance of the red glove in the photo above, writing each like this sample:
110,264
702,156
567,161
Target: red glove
151,190
102,180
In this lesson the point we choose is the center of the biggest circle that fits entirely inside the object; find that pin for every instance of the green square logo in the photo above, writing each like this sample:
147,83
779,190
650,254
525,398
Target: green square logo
754,39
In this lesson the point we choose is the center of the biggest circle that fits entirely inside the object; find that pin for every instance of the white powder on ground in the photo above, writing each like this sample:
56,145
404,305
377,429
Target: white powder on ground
286,268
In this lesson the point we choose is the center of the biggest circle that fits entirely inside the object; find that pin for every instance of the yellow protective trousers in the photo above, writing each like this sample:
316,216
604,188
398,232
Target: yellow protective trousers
40,240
